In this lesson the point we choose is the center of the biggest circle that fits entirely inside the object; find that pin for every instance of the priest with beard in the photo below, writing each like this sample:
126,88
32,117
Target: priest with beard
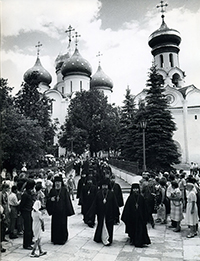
135,217
59,206
88,195
105,207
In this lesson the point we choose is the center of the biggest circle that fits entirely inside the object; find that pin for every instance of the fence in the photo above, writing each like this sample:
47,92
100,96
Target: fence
129,166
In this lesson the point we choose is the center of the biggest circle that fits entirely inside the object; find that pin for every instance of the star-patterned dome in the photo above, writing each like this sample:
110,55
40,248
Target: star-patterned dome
100,79
76,64
61,58
43,75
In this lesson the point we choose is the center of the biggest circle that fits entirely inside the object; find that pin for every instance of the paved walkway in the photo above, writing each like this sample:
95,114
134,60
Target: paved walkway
166,245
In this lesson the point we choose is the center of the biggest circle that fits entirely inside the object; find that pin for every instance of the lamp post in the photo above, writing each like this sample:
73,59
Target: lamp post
143,125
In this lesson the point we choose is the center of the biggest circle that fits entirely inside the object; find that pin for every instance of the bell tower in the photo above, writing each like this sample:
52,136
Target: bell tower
164,44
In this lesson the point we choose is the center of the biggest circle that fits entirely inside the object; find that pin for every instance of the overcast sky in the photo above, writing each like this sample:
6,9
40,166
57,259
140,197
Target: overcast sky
119,29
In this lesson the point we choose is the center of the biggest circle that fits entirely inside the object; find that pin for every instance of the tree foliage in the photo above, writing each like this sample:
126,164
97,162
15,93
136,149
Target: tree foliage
36,106
127,127
20,138
161,150
90,120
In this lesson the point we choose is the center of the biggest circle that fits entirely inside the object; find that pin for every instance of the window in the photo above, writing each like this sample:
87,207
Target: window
81,86
62,89
195,117
171,60
161,61
71,87
176,79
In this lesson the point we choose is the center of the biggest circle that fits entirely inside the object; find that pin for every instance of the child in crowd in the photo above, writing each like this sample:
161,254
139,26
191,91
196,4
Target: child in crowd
38,225
71,185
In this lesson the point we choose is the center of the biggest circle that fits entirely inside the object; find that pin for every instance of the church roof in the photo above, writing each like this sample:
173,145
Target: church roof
61,58
43,75
100,79
76,64
164,35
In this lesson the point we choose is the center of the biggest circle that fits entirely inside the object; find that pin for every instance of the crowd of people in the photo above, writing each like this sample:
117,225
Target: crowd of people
26,198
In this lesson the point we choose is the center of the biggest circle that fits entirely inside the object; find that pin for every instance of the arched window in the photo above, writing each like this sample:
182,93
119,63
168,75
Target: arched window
161,61
71,87
176,79
171,59
81,86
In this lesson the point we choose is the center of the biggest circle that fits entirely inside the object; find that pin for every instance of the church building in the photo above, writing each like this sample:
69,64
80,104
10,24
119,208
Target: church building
74,74
184,100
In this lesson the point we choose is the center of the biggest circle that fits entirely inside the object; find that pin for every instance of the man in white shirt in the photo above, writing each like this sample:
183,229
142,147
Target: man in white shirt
13,203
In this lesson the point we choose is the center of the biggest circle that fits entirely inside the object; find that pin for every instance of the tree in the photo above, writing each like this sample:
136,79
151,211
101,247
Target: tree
126,127
20,138
92,118
73,138
161,150
36,106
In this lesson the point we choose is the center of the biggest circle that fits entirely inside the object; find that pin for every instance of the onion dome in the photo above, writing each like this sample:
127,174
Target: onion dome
43,75
164,39
60,60
76,64
100,79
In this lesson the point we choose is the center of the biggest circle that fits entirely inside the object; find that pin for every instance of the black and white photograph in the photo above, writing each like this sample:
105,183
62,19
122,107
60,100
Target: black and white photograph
100,130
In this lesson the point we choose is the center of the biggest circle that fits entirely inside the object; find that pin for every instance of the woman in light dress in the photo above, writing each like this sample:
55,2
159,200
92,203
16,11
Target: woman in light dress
191,210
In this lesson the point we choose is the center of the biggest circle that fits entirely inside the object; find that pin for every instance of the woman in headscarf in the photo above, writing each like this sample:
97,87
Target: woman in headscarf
59,205
135,217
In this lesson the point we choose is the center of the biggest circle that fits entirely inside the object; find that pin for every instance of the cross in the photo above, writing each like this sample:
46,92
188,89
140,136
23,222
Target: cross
69,32
98,55
38,48
162,6
76,36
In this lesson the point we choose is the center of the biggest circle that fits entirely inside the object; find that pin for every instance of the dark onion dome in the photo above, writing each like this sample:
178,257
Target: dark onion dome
164,40
43,75
100,79
76,64
60,60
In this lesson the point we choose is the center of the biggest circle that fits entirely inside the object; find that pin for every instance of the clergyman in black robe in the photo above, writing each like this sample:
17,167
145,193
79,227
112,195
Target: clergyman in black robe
105,207
59,206
88,195
135,218
115,187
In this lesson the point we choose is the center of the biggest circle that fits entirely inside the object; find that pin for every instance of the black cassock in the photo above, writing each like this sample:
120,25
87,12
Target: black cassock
135,218
115,187
60,209
88,195
106,209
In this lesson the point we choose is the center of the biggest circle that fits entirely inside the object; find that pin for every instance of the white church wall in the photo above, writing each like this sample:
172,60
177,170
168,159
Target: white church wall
179,134
74,83
193,130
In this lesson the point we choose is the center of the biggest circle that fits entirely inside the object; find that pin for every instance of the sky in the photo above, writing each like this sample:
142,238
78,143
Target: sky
119,29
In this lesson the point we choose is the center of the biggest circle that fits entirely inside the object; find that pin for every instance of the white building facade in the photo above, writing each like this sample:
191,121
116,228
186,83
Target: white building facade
184,100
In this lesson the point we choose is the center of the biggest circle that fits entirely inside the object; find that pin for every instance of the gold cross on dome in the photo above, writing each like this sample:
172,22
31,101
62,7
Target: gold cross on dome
69,32
162,6
76,38
99,55
38,48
